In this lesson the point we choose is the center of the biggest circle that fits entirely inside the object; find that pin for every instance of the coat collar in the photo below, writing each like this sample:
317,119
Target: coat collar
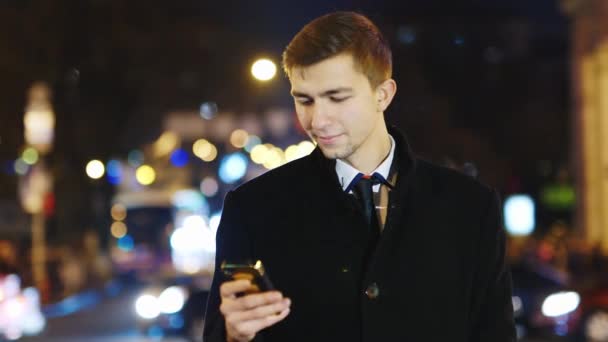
403,159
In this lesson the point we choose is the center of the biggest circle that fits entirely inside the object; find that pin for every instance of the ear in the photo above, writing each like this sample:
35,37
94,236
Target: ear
385,92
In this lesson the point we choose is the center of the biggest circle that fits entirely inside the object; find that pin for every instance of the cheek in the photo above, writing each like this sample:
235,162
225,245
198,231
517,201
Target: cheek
303,118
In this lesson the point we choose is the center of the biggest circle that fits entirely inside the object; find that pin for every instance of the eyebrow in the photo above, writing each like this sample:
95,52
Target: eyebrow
326,93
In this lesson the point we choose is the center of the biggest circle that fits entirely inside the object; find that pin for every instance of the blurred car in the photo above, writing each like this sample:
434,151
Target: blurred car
173,306
594,307
543,303
19,309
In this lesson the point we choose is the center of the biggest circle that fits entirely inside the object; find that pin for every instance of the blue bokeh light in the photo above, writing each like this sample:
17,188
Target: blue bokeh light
179,157
233,167
114,172
125,243
135,158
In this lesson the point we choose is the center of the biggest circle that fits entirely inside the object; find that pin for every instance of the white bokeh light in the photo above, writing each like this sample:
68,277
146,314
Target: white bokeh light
519,215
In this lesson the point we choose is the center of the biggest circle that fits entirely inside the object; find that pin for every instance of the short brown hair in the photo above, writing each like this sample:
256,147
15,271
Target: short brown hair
342,32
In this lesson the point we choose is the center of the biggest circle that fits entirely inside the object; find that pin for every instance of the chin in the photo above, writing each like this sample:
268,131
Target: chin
335,153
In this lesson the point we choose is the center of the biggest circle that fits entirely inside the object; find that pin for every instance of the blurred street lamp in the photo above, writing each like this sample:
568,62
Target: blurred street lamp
95,169
263,69
39,119
145,175
39,126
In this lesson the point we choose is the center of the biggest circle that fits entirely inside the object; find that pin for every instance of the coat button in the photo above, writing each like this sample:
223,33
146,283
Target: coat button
372,291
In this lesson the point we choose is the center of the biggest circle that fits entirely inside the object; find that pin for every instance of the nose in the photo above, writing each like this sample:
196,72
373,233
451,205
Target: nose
319,117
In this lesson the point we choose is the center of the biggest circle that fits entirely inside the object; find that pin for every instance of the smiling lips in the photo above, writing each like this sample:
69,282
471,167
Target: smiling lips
327,139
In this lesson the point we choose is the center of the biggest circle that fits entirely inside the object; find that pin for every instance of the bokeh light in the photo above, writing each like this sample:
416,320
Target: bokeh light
20,167
214,221
118,212
135,158
166,143
125,243
189,200
252,142
30,156
292,152
519,217
114,171
118,229
239,138
274,158
179,158
263,69
303,149
208,110
306,147
95,169
233,167
145,175
258,154
209,186
204,150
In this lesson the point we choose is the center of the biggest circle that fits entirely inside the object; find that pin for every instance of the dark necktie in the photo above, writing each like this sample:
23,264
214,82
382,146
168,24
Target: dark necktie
363,189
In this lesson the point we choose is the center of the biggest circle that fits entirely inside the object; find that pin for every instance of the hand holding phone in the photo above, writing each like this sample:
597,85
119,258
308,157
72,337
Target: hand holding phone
252,305
254,272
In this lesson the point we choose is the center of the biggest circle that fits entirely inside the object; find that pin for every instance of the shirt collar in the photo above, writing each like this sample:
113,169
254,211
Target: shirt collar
346,173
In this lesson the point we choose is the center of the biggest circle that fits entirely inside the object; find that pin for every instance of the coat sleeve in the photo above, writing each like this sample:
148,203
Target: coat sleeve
492,316
233,244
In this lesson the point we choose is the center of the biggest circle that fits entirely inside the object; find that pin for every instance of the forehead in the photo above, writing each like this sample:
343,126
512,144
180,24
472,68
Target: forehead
334,72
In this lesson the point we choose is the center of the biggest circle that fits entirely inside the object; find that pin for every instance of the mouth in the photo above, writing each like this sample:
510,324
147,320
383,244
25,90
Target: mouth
327,139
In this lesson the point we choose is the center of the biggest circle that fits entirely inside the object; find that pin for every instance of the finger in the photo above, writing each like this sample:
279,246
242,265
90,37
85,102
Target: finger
252,327
248,302
259,312
232,287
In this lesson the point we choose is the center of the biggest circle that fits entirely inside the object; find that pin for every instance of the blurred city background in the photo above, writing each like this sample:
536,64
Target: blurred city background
124,123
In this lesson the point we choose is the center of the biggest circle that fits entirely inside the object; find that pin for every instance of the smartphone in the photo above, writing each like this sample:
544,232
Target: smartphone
253,272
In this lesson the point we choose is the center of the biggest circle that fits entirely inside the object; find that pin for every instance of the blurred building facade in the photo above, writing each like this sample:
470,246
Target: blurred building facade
590,119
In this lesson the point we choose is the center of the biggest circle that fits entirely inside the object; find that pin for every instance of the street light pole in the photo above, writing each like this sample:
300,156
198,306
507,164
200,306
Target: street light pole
39,124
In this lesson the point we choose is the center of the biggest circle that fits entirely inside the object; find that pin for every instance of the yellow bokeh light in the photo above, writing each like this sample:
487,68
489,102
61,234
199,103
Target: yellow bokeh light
95,169
118,212
274,158
166,143
201,147
292,152
211,155
263,69
239,138
145,175
258,154
204,150
118,229
306,147
30,156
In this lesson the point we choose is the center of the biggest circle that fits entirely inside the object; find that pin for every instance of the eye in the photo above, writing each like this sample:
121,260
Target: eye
304,101
338,99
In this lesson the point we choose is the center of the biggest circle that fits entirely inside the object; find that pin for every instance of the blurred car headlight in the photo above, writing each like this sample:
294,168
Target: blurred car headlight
172,299
147,306
561,303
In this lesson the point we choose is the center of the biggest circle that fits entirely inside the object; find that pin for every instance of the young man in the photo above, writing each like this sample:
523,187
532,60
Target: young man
362,241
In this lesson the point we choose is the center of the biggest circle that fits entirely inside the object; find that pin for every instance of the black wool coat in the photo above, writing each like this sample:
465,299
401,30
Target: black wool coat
437,274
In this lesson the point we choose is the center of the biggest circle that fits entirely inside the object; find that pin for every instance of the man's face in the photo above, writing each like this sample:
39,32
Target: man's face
338,108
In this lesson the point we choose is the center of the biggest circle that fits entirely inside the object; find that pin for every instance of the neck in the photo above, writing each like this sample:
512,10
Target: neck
372,151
